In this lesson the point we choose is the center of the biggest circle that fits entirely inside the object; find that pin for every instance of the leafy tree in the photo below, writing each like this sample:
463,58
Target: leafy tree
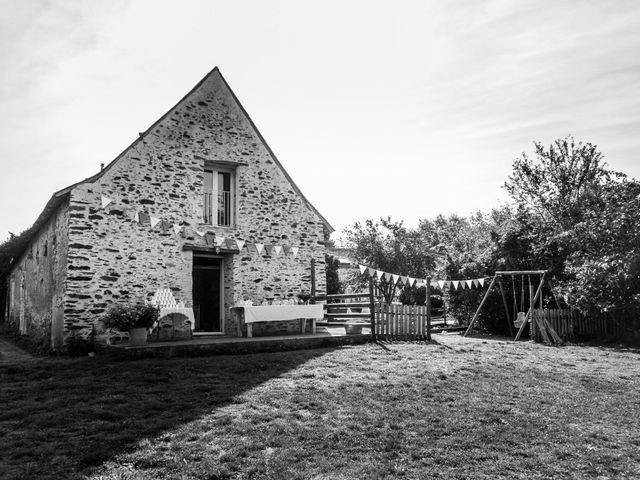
391,247
577,219
554,183
333,281
604,263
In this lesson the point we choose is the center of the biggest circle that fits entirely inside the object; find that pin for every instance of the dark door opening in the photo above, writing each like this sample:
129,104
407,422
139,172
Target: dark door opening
207,293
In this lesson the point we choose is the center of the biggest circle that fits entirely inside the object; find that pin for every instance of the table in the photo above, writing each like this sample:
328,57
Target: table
278,313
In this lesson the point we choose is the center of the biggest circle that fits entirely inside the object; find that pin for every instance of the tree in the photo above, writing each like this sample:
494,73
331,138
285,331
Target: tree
579,220
604,263
333,281
553,184
391,247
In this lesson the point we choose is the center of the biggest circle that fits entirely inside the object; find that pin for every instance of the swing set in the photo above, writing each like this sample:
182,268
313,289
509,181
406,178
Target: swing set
517,317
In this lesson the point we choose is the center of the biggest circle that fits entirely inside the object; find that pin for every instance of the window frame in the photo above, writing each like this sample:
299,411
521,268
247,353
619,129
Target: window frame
215,169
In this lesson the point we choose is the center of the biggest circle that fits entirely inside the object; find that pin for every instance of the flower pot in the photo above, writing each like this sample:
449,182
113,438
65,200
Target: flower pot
137,337
353,328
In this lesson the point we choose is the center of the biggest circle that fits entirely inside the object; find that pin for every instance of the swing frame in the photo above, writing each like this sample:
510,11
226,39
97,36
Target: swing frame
497,278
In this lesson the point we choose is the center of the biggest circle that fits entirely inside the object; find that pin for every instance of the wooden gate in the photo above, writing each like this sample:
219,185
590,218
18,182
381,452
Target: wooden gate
402,322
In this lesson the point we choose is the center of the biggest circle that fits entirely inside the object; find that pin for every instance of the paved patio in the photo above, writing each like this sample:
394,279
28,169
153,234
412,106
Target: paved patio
219,345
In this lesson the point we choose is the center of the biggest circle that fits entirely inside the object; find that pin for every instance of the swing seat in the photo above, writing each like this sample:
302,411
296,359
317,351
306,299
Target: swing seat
519,319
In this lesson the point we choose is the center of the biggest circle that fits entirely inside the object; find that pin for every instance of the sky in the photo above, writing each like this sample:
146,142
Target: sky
402,109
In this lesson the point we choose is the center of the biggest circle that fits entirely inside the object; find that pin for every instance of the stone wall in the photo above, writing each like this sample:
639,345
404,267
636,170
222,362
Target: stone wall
113,259
37,282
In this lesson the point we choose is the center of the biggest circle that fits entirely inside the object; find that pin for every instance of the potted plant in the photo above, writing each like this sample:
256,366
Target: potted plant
136,318
354,328
304,297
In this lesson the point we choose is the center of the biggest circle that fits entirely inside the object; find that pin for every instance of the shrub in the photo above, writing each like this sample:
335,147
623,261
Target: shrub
124,317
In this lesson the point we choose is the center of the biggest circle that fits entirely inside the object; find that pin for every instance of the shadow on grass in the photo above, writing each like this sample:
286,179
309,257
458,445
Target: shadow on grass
60,418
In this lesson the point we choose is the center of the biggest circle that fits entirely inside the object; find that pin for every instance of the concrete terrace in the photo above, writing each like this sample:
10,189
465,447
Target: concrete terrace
221,345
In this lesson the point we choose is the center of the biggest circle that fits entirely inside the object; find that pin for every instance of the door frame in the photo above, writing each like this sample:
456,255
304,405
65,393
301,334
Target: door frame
221,270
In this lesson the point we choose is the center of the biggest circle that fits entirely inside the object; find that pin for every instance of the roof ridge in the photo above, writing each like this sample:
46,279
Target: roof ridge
273,156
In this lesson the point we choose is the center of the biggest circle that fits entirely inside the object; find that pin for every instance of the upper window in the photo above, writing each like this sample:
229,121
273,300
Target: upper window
218,197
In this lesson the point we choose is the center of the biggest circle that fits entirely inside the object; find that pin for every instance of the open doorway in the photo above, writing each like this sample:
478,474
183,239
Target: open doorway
208,283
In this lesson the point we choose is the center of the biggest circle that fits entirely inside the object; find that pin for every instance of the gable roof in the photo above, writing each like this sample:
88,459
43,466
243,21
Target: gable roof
58,197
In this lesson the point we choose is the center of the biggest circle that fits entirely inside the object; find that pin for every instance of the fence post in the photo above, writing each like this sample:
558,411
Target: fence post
372,309
313,279
428,305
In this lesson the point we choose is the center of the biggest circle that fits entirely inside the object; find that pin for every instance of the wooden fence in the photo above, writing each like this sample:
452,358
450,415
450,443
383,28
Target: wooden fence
345,307
402,322
572,325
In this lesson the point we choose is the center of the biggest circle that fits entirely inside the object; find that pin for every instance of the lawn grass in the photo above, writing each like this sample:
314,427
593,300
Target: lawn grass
458,408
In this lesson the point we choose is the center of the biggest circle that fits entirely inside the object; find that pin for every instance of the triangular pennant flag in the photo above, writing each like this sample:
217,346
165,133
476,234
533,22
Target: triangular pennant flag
441,284
469,283
380,274
455,284
260,248
462,285
154,221
392,279
475,283
411,281
362,269
294,250
240,244
277,249
105,201
269,250
286,249
136,216
481,280
403,280
434,284
371,272
177,229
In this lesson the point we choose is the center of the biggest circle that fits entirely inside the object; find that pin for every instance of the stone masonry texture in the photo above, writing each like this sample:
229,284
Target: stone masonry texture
103,256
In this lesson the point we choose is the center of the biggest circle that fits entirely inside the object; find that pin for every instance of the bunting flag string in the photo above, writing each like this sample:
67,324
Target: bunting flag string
420,282
143,218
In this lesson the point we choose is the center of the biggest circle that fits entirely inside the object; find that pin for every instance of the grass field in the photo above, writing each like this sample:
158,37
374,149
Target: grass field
456,408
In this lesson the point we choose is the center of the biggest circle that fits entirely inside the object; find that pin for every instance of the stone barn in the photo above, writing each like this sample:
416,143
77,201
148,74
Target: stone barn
197,204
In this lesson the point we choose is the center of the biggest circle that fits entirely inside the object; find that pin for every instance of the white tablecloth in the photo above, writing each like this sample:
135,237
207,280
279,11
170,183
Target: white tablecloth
274,313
